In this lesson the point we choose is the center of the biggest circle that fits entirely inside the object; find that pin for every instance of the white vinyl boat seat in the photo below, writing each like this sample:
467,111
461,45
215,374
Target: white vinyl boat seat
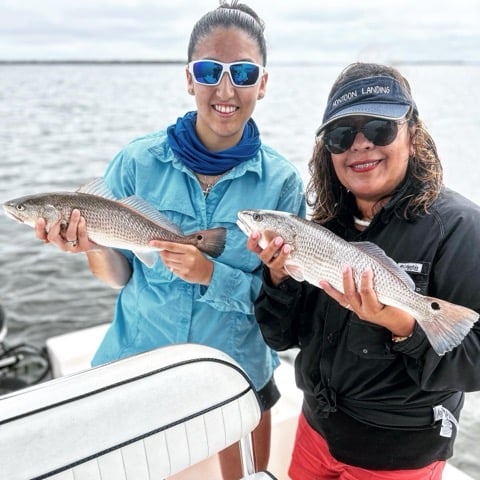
146,417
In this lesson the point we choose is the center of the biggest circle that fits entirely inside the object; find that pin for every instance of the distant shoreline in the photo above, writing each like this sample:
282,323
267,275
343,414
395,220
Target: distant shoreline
90,62
183,62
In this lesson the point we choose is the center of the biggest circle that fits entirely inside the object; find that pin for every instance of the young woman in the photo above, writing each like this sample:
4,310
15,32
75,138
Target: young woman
379,402
199,172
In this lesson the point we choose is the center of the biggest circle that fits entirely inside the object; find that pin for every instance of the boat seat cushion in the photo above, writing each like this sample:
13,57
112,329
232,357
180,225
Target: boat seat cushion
143,417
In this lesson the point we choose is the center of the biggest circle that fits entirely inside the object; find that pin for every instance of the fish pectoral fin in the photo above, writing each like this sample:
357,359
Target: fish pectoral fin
295,271
385,261
147,258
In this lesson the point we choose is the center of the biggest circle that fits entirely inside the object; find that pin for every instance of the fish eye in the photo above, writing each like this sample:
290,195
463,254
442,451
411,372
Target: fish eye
20,207
257,217
199,237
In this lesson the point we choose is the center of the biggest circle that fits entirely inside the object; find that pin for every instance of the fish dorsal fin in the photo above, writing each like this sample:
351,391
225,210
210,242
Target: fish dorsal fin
97,187
141,206
295,271
388,263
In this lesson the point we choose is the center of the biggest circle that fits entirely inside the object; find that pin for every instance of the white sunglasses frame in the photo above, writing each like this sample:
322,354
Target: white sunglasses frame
226,69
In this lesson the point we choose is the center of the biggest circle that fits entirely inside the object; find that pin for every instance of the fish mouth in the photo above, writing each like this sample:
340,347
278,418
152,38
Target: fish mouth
243,225
11,214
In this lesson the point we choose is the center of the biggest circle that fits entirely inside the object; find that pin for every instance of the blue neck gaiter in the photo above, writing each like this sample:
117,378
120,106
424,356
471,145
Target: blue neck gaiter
184,142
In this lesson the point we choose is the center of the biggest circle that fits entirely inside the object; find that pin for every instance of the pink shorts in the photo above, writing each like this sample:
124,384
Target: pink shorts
311,460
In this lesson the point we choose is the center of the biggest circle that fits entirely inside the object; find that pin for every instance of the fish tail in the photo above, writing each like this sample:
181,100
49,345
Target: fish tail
447,325
211,241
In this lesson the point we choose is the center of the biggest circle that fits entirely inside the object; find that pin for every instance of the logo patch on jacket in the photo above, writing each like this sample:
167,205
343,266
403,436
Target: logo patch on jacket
415,267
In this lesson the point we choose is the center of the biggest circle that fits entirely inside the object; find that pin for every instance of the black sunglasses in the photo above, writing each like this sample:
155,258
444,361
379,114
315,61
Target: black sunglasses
378,131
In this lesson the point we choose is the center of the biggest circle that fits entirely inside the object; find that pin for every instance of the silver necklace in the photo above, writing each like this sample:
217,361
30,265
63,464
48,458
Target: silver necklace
362,223
208,182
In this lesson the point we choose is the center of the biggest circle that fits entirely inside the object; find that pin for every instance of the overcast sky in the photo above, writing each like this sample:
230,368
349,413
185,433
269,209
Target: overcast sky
297,30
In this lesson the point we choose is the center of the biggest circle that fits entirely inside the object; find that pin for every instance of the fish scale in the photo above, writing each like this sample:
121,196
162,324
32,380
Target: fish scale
320,255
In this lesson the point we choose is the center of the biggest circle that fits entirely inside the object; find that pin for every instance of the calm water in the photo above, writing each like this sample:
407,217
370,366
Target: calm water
60,125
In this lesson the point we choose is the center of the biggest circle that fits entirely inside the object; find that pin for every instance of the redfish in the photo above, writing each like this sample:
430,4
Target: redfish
128,223
318,254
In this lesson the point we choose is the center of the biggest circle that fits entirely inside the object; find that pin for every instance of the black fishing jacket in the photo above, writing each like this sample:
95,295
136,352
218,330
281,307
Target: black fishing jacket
384,405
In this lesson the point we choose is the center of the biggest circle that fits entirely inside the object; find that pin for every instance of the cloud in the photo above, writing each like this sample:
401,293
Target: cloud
100,30
391,31
296,31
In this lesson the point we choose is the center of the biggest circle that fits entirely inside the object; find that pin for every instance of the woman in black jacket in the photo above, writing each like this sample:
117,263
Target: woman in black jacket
379,402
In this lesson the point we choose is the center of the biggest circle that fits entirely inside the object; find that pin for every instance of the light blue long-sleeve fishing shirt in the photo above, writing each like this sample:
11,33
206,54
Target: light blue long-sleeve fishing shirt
156,308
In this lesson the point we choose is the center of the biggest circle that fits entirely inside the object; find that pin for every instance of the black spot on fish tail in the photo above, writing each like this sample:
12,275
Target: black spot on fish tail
447,325
211,241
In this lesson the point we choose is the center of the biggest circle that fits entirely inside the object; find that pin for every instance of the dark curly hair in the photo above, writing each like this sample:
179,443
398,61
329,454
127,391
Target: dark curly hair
328,197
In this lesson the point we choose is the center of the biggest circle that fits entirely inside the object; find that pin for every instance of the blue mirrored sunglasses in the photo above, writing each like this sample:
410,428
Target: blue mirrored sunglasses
210,72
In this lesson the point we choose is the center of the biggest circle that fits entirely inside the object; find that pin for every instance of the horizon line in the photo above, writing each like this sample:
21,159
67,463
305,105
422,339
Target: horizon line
183,62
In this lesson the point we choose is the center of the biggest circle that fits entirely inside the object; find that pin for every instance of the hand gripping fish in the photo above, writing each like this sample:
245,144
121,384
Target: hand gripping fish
318,254
128,223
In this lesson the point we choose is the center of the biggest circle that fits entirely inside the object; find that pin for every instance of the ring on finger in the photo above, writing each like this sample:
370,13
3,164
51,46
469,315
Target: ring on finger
73,243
